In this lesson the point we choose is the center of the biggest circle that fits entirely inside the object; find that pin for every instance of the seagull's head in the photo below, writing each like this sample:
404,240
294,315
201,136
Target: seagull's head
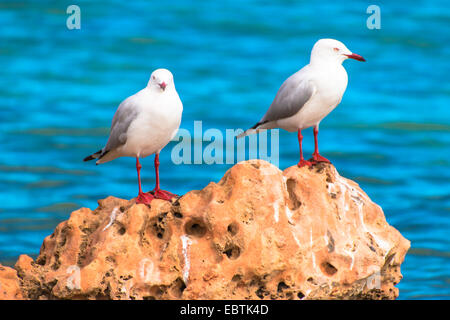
161,79
332,50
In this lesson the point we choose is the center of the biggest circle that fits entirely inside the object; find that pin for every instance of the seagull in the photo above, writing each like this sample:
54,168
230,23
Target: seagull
143,125
309,95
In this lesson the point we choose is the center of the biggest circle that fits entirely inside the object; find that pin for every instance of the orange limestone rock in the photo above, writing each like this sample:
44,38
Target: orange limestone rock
259,233
9,284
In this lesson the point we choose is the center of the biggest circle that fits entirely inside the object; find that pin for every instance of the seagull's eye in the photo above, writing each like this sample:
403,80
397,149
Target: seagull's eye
336,49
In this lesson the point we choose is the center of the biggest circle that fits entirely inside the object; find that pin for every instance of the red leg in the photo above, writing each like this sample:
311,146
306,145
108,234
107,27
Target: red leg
302,161
157,192
316,156
144,198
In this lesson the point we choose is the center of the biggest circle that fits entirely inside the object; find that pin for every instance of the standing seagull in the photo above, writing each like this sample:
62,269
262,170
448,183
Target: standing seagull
309,95
144,124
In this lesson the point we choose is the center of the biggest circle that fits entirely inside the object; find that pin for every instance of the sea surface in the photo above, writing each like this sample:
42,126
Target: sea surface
59,89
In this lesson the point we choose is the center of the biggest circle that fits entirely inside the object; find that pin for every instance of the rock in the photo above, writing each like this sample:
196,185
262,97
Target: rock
9,284
259,233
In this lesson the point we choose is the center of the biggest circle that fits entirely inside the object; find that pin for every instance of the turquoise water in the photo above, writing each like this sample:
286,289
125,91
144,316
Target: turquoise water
59,89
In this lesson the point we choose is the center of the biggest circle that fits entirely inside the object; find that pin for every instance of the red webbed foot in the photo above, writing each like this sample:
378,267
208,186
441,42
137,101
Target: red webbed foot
144,198
316,158
163,194
303,163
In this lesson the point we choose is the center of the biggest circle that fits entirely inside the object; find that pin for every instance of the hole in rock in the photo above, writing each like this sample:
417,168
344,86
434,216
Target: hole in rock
256,165
177,288
233,228
157,226
261,292
195,227
41,260
157,291
295,203
328,268
282,286
63,241
56,265
300,295
236,278
320,167
178,215
232,251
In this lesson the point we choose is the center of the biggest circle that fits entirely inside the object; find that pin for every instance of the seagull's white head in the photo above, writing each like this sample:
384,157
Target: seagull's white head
161,79
332,50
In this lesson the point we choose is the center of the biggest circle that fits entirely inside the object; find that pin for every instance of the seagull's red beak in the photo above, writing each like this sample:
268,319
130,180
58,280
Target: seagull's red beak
355,56
163,85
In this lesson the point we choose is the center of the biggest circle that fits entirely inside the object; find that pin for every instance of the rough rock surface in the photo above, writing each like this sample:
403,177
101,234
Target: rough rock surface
259,233
9,284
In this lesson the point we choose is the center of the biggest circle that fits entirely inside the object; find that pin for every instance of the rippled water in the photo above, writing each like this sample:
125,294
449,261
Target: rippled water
60,88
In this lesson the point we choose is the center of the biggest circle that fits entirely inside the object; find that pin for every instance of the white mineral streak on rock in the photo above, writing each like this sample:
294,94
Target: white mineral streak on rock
352,255
276,211
74,279
289,214
112,218
359,198
295,238
312,248
186,242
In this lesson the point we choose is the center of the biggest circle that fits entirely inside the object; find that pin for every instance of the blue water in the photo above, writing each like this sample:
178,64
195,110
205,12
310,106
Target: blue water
59,89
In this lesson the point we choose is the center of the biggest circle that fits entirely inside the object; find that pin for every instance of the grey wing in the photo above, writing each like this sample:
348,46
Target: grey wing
291,97
124,116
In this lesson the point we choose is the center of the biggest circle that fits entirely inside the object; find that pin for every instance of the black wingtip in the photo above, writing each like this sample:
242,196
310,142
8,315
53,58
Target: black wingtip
93,156
258,124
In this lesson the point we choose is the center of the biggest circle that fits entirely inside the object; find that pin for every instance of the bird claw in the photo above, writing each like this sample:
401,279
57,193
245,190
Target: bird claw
163,194
303,163
316,158
147,198
144,198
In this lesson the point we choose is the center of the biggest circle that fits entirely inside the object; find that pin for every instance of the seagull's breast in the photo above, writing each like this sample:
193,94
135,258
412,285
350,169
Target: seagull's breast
330,84
157,123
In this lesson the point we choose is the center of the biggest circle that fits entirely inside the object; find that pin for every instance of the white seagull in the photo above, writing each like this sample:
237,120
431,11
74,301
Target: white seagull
143,124
309,95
